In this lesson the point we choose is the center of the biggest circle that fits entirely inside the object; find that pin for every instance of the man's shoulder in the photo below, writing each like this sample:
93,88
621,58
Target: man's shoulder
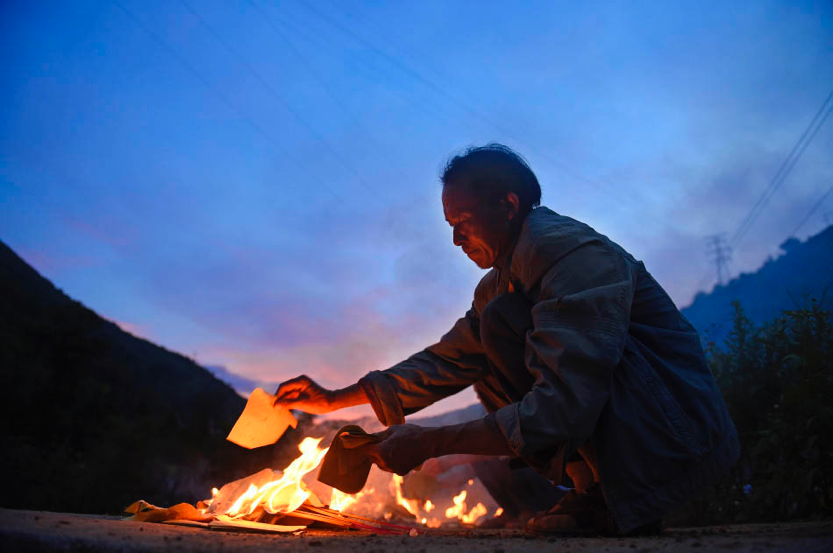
547,237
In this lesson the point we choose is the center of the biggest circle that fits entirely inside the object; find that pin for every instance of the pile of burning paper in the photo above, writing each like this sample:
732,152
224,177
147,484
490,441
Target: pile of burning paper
280,501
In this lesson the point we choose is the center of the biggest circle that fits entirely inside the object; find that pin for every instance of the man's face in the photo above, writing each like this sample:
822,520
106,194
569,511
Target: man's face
480,228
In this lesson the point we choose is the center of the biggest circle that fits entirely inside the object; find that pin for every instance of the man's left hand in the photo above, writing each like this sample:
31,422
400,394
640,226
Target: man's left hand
403,448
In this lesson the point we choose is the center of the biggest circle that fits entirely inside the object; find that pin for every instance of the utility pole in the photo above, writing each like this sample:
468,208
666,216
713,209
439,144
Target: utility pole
720,254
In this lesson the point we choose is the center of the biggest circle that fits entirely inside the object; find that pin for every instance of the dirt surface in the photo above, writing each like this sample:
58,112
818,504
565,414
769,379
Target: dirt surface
44,531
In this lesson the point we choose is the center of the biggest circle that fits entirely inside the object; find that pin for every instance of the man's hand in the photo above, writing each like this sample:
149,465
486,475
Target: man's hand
406,446
304,394
402,449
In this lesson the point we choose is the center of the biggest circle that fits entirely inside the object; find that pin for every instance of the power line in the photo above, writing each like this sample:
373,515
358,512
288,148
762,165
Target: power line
440,91
780,176
784,170
310,68
813,210
278,96
225,99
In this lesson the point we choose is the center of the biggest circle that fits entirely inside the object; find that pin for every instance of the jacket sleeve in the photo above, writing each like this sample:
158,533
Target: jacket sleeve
580,324
441,370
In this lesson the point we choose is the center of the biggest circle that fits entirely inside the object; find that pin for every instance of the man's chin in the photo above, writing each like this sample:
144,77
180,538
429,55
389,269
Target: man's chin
480,262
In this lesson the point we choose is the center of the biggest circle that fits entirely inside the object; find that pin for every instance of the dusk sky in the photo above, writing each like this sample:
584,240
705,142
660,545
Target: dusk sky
255,184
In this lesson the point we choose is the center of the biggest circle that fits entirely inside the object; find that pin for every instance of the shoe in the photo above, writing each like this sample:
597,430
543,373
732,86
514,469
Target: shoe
576,513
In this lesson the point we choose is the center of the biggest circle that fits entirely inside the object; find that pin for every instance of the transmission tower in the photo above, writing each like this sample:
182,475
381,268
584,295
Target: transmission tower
720,253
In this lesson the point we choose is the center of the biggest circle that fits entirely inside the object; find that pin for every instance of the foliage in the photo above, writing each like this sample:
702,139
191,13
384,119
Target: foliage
777,382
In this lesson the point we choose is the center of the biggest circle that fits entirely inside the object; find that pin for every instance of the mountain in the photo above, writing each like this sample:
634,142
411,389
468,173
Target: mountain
802,274
94,418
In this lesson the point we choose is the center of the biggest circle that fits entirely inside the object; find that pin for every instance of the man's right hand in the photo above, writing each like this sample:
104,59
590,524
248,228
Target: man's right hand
304,394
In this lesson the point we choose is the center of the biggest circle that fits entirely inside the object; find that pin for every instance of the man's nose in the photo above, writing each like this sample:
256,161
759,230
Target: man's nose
457,237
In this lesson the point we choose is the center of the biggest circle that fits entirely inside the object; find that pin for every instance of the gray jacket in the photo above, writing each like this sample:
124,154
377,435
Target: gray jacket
614,360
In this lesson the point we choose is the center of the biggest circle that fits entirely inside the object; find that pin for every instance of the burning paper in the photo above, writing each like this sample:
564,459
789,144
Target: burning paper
261,423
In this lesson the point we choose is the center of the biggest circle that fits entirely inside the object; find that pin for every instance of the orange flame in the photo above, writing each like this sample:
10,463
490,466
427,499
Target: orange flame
340,501
285,494
459,509
411,505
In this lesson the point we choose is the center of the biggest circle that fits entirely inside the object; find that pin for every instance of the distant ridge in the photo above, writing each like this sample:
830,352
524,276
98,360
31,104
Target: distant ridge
93,418
803,273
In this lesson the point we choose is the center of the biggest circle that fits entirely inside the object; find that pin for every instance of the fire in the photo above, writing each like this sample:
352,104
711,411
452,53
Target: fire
459,509
410,505
499,511
285,494
340,501
428,506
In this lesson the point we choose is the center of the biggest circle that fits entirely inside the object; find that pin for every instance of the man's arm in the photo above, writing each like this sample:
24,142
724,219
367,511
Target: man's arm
441,370
407,446
305,394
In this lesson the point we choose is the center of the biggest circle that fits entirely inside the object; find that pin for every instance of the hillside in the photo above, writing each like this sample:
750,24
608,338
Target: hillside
803,273
94,418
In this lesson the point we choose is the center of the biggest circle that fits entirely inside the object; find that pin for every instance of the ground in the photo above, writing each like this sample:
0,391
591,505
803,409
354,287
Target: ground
45,531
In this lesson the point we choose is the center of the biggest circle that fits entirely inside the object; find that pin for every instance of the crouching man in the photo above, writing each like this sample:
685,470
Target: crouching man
574,349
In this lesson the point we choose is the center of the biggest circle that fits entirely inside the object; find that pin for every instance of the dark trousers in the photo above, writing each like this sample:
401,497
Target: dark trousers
504,324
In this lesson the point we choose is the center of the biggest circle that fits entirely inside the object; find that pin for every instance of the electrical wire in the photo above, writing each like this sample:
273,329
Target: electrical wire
225,99
812,210
280,98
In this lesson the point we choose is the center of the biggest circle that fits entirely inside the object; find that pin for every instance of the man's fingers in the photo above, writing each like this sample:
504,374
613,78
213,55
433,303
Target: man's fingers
292,389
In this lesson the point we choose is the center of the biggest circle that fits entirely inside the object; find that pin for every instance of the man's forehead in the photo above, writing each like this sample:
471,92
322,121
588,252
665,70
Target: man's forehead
457,199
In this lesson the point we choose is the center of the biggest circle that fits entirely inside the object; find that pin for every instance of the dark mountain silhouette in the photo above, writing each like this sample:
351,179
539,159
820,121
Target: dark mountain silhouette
94,418
802,274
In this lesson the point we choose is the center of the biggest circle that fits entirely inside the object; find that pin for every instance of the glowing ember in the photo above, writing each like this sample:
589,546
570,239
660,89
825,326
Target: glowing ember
499,511
459,510
282,495
410,505
471,482
428,506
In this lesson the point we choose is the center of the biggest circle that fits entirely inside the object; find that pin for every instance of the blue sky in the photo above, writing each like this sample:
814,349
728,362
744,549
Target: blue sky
255,185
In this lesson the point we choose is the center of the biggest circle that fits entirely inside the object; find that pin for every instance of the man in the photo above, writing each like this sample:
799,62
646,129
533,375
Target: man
574,350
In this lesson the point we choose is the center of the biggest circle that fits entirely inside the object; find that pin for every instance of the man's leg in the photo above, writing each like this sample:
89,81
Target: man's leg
503,326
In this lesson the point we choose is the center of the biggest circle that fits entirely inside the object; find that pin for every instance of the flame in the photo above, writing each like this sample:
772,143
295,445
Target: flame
433,523
428,506
340,501
459,506
410,505
499,511
285,494
476,512
459,509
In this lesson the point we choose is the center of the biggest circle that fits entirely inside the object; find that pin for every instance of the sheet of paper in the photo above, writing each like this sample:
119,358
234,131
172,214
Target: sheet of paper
226,523
261,423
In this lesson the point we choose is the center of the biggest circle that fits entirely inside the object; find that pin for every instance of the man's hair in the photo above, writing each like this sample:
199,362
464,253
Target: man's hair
491,172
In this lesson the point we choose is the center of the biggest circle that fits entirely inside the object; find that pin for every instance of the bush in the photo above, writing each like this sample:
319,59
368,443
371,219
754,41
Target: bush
778,384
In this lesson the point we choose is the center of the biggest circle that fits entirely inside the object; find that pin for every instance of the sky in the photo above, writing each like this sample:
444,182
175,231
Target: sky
255,184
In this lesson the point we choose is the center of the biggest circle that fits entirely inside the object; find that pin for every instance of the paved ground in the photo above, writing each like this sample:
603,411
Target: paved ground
44,531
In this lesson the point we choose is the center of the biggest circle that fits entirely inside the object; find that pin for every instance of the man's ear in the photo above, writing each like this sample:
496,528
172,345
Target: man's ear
512,204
